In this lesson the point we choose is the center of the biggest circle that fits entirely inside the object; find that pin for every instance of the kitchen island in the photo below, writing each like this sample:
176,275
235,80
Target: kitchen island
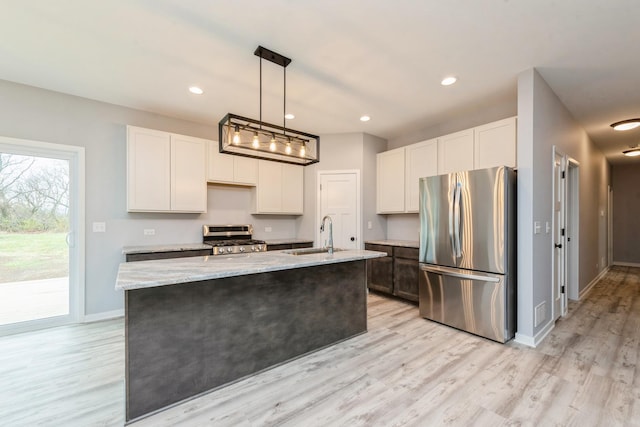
195,324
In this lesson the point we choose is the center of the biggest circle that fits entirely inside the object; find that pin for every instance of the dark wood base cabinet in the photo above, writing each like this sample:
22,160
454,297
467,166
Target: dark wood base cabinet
396,274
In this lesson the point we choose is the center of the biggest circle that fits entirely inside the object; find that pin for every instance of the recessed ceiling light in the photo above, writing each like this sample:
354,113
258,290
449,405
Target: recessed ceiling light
196,90
289,116
365,118
626,124
448,81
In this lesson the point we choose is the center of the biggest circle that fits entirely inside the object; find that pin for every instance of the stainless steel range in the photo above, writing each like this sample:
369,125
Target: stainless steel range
231,239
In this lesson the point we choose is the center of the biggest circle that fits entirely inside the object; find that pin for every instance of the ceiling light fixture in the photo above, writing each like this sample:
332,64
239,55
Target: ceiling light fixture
282,139
289,116
633,152
365,118
196,90
626,124
448,81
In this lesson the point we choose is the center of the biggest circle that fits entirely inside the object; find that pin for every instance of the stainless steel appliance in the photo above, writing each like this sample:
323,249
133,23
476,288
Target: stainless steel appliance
467,251
231,239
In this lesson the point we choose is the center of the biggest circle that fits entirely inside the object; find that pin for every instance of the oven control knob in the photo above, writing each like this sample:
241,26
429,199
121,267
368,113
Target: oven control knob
241,248
259,248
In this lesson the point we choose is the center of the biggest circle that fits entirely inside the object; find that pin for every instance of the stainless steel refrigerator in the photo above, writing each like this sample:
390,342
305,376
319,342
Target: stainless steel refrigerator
467,251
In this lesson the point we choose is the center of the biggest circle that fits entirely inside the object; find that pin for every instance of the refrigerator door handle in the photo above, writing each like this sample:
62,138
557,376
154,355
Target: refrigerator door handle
452,235
456,221
455,273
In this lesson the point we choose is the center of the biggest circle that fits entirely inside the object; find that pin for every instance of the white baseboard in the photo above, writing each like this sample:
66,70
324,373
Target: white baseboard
105,315
626,264
538,338
591,284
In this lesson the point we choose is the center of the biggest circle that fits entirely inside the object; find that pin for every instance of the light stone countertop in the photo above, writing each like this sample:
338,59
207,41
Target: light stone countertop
149,274
164,248
403,243
285,241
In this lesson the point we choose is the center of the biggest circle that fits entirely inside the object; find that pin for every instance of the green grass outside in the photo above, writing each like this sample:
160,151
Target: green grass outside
32,256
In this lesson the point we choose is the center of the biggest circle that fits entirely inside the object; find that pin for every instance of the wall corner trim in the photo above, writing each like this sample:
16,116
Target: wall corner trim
536,339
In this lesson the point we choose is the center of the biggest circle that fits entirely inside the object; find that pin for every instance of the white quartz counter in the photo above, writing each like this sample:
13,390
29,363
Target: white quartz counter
148,274
402,243
164,248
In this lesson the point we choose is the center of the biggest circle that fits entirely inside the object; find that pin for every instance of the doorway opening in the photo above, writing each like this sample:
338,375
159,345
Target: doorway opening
41,235
339,198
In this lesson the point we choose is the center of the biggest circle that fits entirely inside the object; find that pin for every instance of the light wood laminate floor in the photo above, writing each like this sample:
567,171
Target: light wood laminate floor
404,371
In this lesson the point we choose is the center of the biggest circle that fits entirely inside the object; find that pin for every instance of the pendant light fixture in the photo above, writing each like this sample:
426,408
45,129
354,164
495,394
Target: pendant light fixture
254,138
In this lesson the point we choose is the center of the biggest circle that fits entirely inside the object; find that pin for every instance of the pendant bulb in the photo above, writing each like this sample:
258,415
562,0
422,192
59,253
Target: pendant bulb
256,141
272,145
288,147
236,135
303,149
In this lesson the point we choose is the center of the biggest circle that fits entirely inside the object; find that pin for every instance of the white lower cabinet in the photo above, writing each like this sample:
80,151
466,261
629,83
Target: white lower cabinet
231,169
165,172
280,189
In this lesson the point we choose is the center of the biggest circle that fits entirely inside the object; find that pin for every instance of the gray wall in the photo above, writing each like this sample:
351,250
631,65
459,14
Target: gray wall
626,211
543,121
40,115
351,151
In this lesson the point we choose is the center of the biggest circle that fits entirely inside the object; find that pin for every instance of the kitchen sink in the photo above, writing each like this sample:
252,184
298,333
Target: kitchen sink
310,251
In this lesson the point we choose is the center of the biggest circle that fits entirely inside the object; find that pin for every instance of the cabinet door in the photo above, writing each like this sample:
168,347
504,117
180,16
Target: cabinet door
406,273
380,270
269,188
455,152
421,161
148,170
495,144
245,170
292,189
220,167
390,181
188,174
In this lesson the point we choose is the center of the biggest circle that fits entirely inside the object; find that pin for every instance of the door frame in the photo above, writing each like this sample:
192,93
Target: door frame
555,231
76,157
322,173
572,222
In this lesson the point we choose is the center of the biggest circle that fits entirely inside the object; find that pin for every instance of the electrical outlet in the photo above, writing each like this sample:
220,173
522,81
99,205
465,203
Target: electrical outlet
268,229
99,227
369,225
149,231
537,227
547,227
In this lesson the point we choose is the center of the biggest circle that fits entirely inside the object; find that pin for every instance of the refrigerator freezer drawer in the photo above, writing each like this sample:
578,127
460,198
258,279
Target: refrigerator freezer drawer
473,301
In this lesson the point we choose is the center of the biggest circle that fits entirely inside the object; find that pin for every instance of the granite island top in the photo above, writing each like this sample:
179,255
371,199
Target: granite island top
164,248
403,243
148,274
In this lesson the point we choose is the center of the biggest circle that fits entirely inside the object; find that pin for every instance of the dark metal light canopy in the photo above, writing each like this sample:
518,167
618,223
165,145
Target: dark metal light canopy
254,138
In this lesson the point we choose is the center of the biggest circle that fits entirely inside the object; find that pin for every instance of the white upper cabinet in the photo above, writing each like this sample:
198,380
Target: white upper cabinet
455,152
390,181
280,189
165,172
495,144
231,169
421,160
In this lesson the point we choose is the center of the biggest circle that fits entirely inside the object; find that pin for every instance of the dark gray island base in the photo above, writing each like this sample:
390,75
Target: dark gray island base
185,339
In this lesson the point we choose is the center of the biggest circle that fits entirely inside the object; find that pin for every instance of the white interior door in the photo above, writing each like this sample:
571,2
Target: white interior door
339,197
558,238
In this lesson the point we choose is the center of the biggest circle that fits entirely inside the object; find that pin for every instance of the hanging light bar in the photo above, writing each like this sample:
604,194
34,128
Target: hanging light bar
254,138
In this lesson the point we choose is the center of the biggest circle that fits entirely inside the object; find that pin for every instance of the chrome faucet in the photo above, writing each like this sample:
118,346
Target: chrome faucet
327,217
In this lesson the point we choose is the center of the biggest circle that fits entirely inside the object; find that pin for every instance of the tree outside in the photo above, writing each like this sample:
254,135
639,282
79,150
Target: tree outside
34,218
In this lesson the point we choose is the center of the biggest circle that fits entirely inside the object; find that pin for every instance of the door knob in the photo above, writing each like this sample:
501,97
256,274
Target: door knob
557,245
353,239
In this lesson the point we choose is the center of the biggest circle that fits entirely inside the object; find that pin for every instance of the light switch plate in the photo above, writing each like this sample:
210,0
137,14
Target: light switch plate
149,231
99,227
537,227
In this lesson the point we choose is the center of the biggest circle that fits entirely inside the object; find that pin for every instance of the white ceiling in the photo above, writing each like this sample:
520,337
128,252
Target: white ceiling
378,57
